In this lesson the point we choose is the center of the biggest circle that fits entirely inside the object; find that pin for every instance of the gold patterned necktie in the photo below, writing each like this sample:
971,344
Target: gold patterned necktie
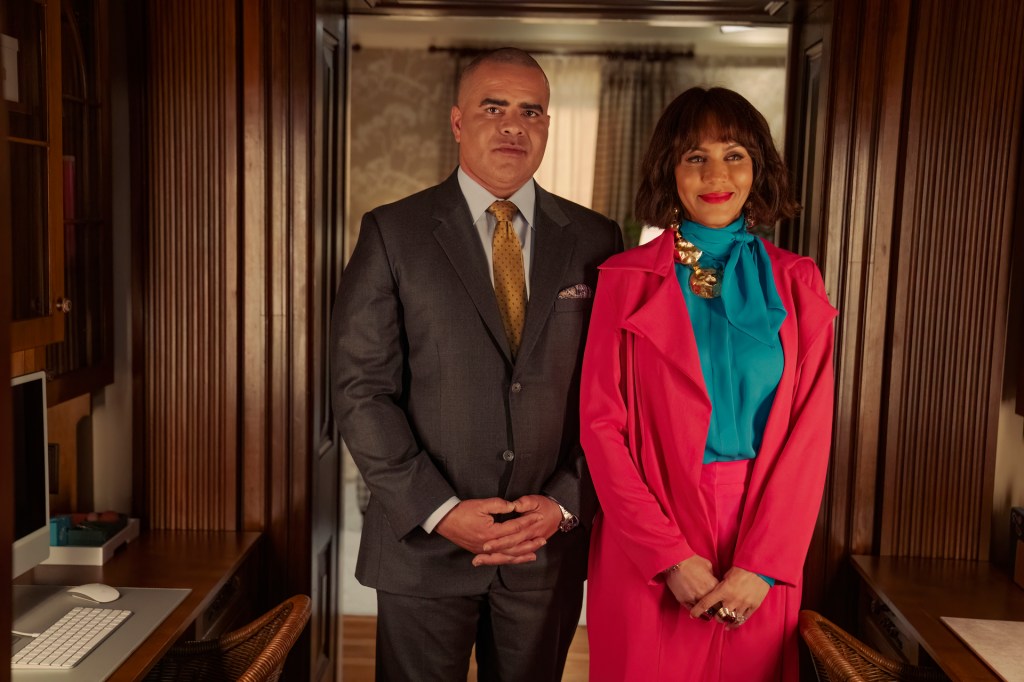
509,277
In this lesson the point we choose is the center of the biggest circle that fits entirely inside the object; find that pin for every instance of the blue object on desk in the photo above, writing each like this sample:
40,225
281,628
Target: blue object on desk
59,526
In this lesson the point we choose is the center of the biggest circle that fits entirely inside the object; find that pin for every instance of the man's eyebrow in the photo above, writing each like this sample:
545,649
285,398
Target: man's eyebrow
490,101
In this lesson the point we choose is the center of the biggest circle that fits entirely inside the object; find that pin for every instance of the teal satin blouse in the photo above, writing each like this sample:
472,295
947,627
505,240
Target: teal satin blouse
737,337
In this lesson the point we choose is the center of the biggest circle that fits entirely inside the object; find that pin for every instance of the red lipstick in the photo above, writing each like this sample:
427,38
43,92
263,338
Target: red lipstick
716,197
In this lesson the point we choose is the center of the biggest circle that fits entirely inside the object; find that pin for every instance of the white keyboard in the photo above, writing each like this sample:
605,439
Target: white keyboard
69,640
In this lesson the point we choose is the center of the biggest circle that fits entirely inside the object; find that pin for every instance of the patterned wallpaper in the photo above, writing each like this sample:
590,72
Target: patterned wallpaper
400,137
762,80
401,141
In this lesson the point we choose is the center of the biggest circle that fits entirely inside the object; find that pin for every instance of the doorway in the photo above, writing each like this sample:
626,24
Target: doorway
401,87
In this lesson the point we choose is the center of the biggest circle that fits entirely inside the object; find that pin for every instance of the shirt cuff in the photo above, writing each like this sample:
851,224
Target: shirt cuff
770,581
431,523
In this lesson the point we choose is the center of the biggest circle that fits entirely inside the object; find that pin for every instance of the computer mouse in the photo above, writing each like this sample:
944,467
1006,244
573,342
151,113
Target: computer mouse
96,592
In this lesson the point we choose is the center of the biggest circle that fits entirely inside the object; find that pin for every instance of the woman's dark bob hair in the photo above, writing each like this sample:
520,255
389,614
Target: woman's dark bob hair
721,115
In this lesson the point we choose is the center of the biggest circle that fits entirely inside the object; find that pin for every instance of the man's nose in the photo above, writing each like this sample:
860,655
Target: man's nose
510,125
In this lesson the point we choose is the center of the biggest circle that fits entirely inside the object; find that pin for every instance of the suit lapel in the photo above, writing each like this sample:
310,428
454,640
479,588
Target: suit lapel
460,241
552,253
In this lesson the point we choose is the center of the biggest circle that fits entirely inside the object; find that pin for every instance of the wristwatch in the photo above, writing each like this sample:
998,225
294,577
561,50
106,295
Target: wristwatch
569,520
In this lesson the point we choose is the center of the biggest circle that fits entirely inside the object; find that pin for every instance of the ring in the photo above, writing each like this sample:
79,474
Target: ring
730,617
710,613
722,613
740,620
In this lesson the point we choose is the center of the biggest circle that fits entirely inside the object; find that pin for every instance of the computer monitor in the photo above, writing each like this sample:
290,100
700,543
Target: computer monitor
31,482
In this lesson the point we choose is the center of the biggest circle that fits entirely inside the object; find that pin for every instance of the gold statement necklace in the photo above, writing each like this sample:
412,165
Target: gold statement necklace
704,282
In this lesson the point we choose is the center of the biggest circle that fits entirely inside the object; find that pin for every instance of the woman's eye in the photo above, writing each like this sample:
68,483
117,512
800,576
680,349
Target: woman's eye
695,159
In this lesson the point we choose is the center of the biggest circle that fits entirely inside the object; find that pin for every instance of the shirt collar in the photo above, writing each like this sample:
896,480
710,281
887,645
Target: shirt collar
479,199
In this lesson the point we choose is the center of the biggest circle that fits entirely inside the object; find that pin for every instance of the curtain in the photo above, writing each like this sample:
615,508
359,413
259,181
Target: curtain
568,166
634,92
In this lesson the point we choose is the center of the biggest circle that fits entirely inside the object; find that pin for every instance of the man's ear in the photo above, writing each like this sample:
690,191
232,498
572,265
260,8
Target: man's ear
456,120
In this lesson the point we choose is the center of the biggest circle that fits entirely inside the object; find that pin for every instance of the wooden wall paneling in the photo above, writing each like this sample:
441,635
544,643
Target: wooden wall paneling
878,171
952,280
861,165
300,301
1015,345
188,279
137,50
63,425
807,86
327,256
255,321
6,444
281,250
806,107
281,314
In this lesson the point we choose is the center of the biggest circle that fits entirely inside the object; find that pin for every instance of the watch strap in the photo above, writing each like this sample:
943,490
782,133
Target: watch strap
569,520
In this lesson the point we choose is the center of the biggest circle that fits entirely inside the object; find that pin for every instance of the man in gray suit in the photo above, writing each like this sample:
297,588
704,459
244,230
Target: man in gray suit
456,347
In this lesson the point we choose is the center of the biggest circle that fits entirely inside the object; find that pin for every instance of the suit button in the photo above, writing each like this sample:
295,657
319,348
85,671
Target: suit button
516,387
508,455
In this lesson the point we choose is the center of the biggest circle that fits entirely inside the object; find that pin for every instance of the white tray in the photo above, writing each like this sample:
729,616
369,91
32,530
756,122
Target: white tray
93,556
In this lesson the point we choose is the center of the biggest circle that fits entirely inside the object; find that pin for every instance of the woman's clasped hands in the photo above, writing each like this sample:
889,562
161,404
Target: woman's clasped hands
731,600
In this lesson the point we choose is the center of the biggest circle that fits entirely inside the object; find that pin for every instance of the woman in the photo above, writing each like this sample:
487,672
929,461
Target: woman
706,412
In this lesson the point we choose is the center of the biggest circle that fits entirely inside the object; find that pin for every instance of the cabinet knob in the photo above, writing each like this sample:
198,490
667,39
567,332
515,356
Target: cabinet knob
64,305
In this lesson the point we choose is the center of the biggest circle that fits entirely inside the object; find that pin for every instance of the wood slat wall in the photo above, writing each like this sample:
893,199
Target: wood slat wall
962,141
225,313
190,288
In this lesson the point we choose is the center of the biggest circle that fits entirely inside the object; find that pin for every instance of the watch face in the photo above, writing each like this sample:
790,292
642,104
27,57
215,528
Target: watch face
568,524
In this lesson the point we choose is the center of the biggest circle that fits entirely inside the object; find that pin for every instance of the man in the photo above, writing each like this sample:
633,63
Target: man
456,353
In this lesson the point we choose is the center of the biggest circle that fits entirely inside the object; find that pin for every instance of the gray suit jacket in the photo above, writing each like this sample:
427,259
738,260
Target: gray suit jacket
429,402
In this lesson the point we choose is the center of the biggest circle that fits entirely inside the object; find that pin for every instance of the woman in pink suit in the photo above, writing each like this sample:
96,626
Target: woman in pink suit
706,413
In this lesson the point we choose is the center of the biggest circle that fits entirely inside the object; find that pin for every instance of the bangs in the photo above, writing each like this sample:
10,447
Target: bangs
715,119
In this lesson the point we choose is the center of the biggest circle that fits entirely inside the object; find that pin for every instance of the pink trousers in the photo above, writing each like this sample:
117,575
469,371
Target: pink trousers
638,631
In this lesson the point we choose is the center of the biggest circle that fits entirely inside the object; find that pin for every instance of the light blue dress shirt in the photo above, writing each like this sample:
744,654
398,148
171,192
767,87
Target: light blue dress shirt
479,200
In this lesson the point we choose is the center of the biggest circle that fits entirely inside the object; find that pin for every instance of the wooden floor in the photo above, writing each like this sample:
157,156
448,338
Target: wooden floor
358,651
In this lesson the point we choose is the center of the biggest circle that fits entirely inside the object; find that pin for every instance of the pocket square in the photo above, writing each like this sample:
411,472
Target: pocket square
576,291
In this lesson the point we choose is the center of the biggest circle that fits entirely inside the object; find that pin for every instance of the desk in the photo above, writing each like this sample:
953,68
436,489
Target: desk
202,561
912,594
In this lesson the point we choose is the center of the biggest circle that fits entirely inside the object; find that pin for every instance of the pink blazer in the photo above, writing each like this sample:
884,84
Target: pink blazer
644,418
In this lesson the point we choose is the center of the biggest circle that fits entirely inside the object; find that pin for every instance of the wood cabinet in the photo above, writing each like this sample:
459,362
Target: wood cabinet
83,360
55,87
32,63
